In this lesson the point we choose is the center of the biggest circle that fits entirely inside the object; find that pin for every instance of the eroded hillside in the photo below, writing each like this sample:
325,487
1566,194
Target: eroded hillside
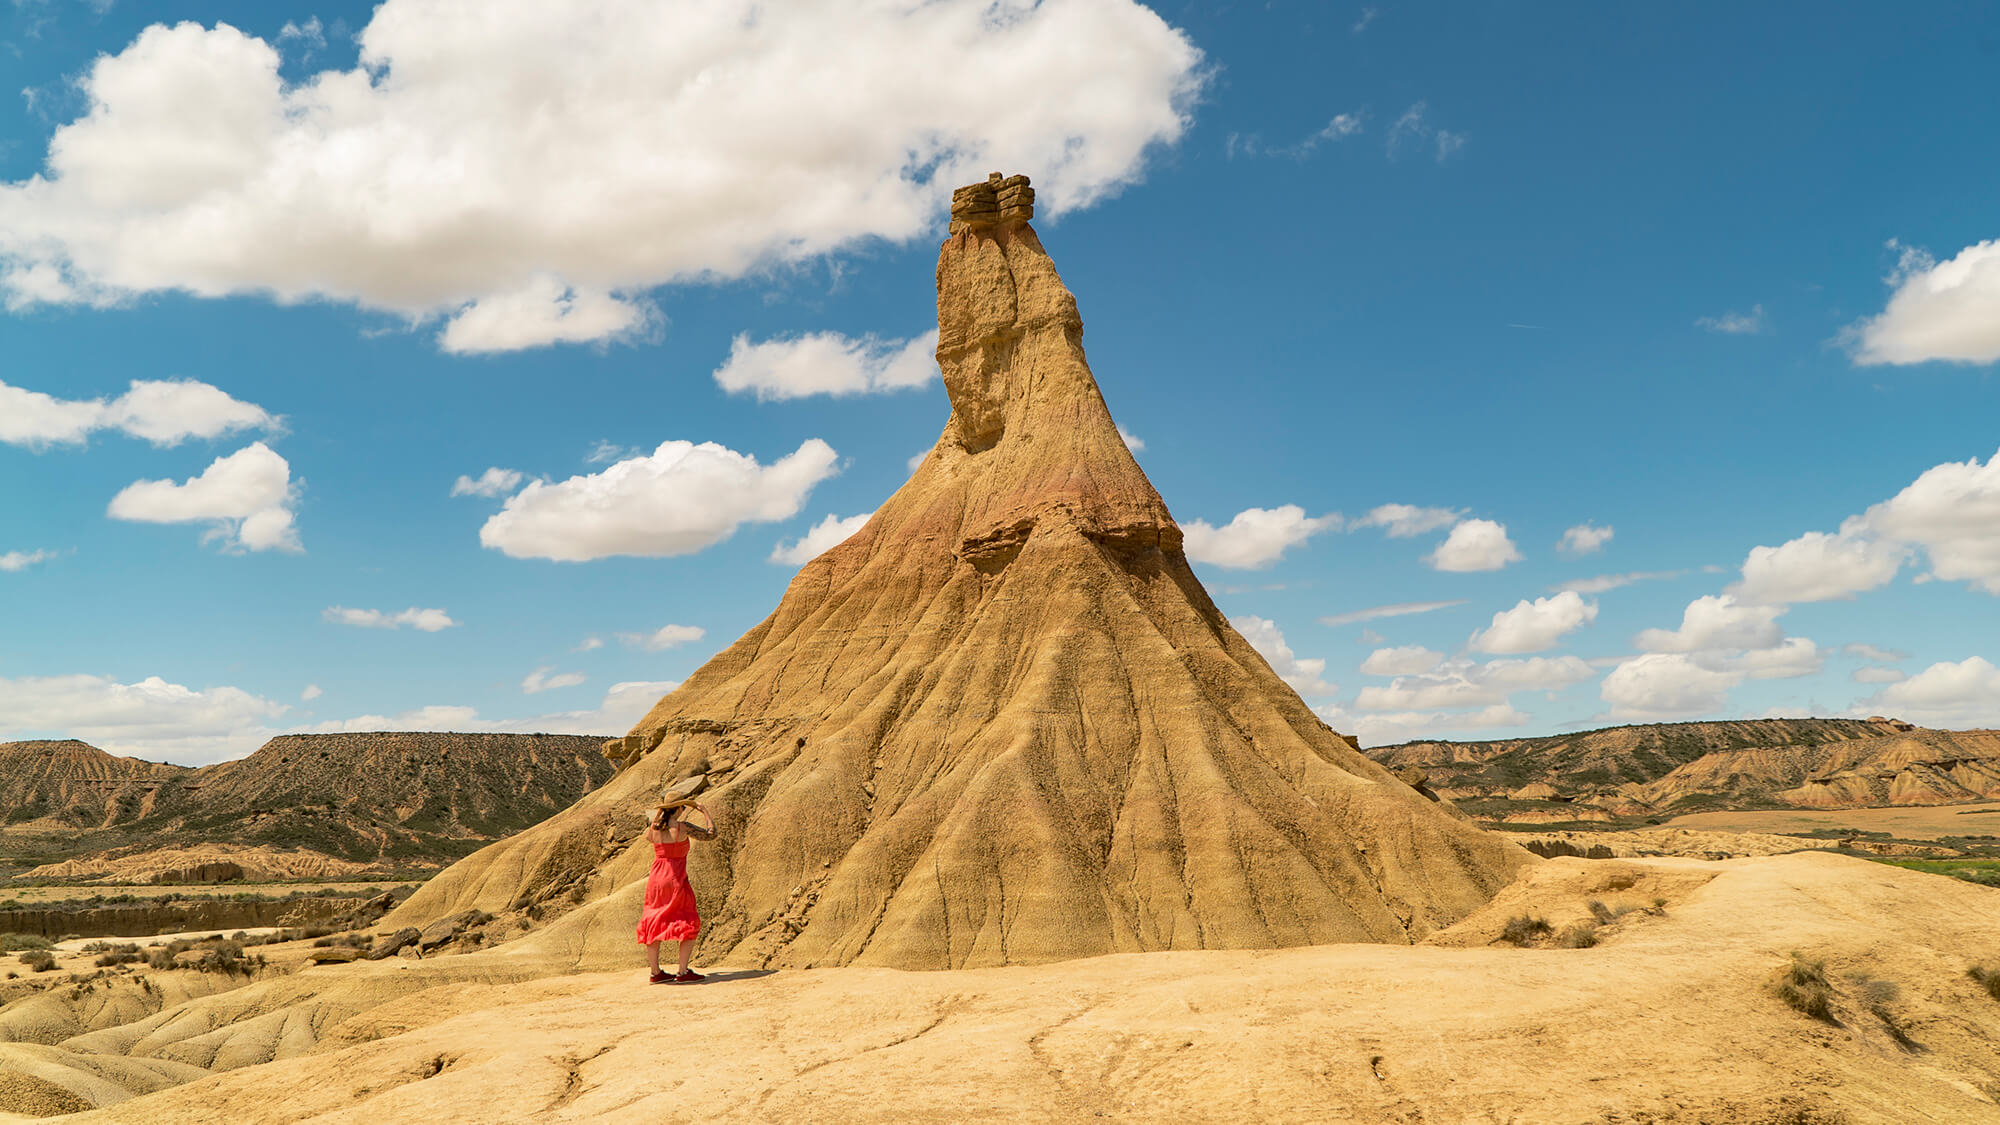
1671,768
405,799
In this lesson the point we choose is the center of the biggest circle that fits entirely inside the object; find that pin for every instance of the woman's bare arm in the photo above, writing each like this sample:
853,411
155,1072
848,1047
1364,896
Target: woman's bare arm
697,831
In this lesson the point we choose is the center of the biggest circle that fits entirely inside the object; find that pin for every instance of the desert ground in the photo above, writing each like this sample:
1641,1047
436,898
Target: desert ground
1927,822
1671,1017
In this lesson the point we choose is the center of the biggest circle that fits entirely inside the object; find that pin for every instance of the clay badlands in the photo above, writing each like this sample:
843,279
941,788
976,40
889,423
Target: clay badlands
1015,827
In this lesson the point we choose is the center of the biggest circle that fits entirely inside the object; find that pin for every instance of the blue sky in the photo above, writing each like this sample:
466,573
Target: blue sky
1394,298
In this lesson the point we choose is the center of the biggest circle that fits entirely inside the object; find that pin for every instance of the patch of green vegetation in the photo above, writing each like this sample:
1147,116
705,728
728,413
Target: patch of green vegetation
1985,872
14,943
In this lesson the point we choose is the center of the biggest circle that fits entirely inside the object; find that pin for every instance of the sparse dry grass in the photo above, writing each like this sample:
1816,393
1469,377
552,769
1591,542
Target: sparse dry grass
1803,986
1524,930
1988,977
1582,935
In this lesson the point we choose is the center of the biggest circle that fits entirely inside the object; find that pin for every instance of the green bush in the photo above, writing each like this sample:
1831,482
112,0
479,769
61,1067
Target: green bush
14,943
40,960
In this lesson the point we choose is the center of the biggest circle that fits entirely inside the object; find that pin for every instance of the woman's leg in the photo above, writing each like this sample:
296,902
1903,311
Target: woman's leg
687,952
653,955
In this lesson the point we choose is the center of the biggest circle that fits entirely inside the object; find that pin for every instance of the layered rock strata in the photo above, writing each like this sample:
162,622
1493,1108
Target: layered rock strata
1003,722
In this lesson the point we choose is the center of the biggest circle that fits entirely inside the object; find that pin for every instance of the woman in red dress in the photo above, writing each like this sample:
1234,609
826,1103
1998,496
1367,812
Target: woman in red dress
670,913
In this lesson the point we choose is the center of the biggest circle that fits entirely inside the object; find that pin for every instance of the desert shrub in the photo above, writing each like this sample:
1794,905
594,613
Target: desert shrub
1802,985
1524,929
14,943
1987,976
40,960
1583,935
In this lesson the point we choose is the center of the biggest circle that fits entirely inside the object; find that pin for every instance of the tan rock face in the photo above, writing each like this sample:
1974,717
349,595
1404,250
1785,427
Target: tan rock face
1003,722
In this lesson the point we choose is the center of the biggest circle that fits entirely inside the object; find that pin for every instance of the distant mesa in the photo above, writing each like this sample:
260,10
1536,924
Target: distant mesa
1003,722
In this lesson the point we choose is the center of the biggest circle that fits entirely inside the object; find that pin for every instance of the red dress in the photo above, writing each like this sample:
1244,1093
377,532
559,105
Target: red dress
670,914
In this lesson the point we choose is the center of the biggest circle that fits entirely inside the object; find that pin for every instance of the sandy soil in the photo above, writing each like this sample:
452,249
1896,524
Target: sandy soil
1910,823
1670,1020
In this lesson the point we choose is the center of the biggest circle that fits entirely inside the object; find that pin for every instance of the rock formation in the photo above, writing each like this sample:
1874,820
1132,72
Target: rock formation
1003,722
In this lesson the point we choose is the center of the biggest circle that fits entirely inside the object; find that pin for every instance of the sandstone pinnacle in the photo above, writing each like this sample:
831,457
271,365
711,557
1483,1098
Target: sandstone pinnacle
1003,722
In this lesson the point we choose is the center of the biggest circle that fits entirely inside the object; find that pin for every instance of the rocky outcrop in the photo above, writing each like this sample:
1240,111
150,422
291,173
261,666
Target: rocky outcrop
1003,722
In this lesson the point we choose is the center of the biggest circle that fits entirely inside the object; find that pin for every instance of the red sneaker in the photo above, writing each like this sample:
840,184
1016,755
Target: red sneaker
689,977
660,977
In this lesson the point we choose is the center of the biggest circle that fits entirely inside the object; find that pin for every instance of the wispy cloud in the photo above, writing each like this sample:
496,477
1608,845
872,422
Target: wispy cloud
1341,127
1398,609
1415,130
1605,582
422,620
1735,323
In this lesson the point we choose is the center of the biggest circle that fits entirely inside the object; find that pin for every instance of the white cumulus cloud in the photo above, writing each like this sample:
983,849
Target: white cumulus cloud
493,482
829,532
528,168
1939,311
1961,694
152,718
1717,621
245,497
827,363
1307,677
546,310
681,498
1532,626
664,637
1793,657
1665,685
422,620
163,412
1584,539
1255,538
1817,567
1474,545
1951,511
